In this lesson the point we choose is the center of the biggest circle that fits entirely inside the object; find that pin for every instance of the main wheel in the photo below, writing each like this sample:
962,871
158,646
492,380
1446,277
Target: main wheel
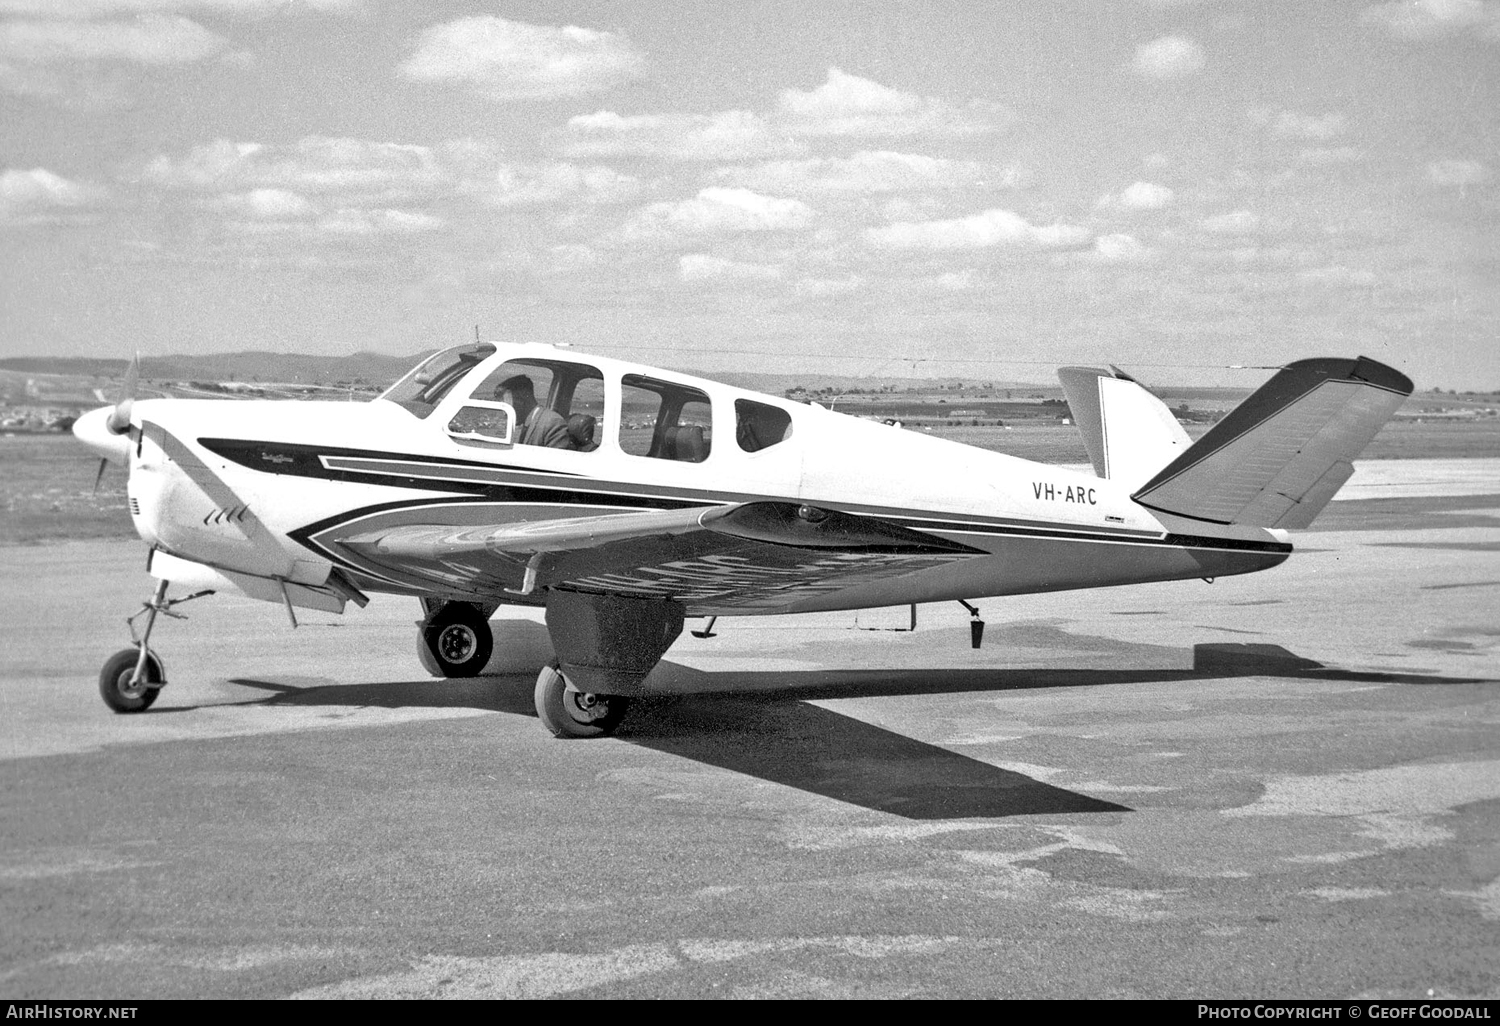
459,641
568,712
114,681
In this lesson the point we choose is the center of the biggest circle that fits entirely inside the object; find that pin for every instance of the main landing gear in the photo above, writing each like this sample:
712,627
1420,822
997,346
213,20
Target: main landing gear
454,640
131,678
568,712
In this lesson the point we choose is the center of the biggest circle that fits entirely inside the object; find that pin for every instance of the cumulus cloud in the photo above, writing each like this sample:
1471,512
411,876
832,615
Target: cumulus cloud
154,39
821,288
98,8
727,135
1119,248
513,60
38,195
264,205
1235,223
1139,196
702,266
1168,57
993,227
314,165
1435,19
533,184
1291,125
1457,172
377,222
317,187
849,105
721,210
845,105
956,281
870,172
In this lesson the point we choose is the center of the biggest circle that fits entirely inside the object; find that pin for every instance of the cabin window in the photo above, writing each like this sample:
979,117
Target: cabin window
557,405
665,421
758,426
426,386
483,423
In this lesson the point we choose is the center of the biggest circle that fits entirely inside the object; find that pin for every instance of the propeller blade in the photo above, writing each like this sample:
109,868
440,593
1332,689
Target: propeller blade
100,476
119,418
132,376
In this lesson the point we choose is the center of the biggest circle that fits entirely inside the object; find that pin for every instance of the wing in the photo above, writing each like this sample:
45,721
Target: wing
756,555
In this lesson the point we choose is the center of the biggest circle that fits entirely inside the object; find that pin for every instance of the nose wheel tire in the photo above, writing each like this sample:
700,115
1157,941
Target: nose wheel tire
458,641
569,713
114,681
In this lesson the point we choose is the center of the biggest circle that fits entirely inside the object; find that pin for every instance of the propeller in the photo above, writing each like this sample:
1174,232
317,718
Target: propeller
107,429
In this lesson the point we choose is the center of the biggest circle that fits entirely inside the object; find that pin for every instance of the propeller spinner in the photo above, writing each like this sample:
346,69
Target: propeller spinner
107,429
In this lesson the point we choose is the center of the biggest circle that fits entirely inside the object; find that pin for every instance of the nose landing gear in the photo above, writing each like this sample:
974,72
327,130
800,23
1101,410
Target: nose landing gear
131,678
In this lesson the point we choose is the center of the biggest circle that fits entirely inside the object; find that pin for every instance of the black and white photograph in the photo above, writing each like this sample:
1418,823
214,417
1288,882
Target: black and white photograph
780,499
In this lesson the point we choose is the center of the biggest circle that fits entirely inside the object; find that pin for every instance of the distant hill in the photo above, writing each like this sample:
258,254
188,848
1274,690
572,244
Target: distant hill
375,368
380,369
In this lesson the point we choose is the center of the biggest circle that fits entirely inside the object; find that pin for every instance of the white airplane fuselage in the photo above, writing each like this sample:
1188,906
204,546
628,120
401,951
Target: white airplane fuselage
268,488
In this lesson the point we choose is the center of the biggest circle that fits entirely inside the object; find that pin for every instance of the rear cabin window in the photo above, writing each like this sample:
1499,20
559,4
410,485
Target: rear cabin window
664,421
557,405
759,426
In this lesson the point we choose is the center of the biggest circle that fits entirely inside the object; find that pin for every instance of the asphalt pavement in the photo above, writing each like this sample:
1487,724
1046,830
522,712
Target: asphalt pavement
1279,785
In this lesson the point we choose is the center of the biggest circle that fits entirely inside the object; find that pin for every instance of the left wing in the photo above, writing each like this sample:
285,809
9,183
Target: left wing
753,555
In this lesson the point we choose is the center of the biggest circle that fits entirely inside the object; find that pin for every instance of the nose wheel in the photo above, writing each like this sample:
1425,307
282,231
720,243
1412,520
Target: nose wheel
570,713
125,691
131,678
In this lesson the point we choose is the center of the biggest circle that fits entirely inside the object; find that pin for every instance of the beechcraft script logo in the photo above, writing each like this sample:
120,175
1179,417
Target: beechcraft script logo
276,457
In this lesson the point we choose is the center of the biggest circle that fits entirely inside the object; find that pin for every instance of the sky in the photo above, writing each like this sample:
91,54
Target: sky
969,188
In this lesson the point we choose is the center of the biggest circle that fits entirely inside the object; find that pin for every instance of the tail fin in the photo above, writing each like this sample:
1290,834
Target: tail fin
1129,433
1278,458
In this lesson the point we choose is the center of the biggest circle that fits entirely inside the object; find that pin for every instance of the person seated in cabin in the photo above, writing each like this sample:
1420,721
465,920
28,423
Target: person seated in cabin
581,427
535,425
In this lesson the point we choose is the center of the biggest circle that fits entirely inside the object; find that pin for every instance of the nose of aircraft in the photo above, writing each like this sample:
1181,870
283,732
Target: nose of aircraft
92,429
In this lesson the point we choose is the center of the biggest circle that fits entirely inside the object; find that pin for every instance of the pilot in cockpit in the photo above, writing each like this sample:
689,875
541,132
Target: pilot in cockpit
536,425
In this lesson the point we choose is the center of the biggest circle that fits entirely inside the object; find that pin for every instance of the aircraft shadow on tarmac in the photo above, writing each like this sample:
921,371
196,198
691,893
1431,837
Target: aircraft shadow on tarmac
760,723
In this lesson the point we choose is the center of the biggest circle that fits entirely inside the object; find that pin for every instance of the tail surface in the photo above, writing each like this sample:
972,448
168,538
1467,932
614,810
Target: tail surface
1128,432
1278,458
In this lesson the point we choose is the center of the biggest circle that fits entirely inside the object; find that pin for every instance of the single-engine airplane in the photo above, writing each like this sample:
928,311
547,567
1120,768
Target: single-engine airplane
622,499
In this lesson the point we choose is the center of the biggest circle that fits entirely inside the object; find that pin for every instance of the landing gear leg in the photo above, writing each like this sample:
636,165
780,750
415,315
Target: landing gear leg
132,677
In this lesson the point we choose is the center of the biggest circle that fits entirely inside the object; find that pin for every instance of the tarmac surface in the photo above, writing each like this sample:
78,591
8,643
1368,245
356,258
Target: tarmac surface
1279,785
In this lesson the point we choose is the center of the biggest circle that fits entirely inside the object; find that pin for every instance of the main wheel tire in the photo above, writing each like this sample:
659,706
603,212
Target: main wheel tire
568,712
459,641
114,681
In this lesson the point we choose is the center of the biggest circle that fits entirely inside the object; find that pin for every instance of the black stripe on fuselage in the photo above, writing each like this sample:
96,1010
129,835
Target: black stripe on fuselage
575,490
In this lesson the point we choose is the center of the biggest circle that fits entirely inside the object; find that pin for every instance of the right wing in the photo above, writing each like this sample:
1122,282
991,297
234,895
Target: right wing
754,555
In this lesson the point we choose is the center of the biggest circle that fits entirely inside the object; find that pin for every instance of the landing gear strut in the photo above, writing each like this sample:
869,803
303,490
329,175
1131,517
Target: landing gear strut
455,640
132,677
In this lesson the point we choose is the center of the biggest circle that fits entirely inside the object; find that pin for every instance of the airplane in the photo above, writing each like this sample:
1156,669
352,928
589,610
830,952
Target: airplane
623,500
